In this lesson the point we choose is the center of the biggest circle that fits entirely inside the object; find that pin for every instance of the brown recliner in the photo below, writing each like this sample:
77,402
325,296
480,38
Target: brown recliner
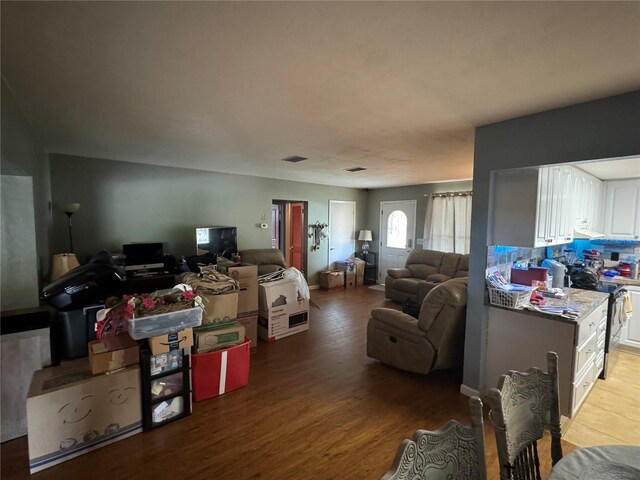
433,341
268,260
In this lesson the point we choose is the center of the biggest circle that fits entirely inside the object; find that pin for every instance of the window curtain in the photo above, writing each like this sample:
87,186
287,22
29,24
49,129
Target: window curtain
447,224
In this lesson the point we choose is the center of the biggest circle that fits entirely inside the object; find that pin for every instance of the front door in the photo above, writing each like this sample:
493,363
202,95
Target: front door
397,234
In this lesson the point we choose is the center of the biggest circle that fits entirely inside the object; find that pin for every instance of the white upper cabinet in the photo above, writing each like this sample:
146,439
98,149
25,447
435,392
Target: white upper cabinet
530,207
622,209
586,199
537,207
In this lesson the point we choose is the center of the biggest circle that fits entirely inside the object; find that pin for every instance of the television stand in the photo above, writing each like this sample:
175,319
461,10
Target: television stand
150,283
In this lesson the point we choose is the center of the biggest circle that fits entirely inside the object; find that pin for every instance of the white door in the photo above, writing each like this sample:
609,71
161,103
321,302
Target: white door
397,234
342,230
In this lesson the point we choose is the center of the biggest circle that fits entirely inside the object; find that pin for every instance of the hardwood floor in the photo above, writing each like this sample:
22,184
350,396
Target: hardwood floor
611,412
316,407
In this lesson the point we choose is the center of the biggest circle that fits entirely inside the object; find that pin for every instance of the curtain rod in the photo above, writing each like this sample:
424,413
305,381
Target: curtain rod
450,194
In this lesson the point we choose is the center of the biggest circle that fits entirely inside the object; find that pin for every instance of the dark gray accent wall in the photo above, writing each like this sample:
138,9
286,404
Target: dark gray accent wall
600,129
23,154
124,202
410,192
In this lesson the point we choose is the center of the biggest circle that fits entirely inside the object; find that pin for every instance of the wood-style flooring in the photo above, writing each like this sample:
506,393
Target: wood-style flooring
611,412
316,407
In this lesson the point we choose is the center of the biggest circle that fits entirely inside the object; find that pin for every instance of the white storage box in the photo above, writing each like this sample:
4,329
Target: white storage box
165,323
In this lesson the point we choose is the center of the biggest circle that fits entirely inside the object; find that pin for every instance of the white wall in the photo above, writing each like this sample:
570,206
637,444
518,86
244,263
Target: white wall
594,130
23,155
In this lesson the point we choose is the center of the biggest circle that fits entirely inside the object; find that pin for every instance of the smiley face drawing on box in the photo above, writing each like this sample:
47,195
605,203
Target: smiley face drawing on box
86,419
74,413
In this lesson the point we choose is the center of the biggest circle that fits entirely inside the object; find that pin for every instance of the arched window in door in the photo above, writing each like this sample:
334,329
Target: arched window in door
397,229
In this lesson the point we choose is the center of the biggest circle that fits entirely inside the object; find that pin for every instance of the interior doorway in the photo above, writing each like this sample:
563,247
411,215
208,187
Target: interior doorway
289,224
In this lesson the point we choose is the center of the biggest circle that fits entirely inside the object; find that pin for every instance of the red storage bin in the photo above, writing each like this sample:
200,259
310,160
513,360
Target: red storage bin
221,371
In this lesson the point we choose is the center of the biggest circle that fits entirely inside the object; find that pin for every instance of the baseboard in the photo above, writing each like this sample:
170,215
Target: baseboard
468,391
314,287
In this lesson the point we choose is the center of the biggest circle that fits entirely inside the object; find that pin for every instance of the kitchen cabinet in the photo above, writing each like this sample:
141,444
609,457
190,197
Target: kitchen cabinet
518,340
622,209
631,332
586,198
530,207
537,207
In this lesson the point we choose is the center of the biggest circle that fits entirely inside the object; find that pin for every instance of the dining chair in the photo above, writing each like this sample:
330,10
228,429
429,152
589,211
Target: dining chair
454,451
522,407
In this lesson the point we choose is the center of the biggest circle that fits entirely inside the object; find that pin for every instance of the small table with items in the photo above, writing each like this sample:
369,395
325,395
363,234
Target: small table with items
370,268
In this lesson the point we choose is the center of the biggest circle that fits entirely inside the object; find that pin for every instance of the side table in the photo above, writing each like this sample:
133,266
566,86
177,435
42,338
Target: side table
370,267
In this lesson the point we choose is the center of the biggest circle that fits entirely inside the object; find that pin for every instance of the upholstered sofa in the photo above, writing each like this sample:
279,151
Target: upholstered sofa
268,260
423,270
433,341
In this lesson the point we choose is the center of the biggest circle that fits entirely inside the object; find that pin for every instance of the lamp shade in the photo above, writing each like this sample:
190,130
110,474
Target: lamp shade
71,207
63,263
365,235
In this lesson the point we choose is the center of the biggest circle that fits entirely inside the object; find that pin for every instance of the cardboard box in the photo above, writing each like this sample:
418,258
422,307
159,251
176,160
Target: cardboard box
70,411
250,324
247,278
112,353
219,308
331,279
359,271
171,341
221,371
348,267
284,321
217,338
350,281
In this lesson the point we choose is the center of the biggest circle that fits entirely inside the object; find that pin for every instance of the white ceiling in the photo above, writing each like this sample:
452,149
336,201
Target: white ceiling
394,87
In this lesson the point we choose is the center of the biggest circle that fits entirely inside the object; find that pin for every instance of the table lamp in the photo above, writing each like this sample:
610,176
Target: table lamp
63,263
365,237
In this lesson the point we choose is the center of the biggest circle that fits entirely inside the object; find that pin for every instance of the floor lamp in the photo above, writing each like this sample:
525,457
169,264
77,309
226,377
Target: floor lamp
69,210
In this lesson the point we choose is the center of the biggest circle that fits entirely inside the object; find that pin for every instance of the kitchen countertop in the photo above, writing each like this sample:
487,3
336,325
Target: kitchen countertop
620,280
584,301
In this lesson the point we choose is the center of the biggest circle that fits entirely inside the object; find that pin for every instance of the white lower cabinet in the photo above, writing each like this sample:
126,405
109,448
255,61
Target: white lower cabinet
518,340
631,331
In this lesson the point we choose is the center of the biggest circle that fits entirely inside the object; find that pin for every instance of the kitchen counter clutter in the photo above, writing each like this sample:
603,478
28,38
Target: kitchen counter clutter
520,339
582,301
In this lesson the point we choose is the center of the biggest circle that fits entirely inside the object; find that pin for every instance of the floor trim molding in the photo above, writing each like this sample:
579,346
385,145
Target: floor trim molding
468,391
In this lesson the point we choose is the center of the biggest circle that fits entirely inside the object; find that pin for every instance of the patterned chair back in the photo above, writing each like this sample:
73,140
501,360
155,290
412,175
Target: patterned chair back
454,451
524,405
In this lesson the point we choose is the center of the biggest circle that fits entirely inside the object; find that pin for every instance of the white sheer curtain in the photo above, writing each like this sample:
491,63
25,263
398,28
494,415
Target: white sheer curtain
447,224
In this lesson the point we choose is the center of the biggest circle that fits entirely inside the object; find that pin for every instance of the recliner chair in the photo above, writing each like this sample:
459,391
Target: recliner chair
433,341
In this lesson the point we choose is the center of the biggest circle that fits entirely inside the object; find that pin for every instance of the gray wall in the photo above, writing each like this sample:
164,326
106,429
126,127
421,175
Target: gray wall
595,130
410,192
125,202
23,155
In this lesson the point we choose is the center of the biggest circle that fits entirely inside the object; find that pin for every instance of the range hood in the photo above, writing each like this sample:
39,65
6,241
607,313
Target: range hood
584,232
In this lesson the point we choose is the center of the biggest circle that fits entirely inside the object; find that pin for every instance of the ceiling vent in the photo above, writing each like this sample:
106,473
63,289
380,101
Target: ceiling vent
294,159
355,169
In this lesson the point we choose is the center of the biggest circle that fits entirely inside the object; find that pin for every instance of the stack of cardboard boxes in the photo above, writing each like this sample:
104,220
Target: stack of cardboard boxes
90,402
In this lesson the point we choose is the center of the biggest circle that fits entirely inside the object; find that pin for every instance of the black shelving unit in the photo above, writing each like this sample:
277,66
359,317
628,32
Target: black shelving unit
165,379
370,267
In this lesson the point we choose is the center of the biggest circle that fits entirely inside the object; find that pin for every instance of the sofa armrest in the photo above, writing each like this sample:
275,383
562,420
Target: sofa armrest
395,318
399,273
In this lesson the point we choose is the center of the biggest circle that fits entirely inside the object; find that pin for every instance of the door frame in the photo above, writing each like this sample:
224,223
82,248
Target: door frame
285,234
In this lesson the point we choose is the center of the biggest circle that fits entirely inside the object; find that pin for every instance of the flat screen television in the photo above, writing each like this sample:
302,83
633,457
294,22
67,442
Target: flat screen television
223,241
143,256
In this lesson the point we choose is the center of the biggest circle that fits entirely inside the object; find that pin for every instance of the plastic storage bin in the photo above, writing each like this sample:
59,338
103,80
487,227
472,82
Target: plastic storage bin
220,371
505,298
165,323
